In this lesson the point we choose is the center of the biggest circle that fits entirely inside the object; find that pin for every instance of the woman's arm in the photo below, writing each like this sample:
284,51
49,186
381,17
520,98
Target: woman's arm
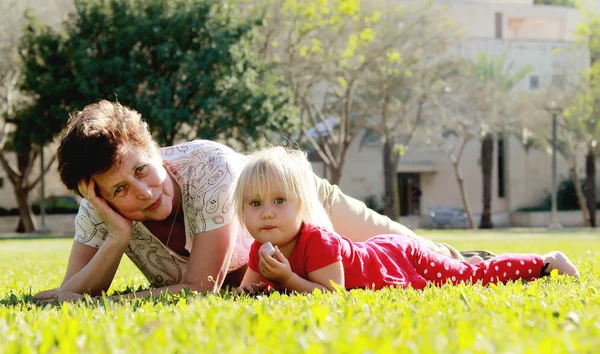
89,271
207,265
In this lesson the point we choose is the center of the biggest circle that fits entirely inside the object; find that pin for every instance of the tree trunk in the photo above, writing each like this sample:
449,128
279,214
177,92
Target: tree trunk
390,179
590,182
334,175
26,217
465,198
461,184
487,163
579,192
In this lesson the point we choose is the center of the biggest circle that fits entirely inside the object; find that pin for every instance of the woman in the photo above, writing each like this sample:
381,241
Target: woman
169,210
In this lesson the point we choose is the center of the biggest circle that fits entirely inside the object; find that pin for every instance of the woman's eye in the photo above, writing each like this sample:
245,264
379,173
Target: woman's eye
141,169
255,203
118,190
279,201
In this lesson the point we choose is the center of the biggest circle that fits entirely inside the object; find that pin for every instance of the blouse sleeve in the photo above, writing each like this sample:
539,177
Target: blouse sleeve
208,185
90,229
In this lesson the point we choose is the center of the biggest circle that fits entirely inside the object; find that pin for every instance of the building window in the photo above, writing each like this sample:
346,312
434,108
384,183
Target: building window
534,82
500,167
498,25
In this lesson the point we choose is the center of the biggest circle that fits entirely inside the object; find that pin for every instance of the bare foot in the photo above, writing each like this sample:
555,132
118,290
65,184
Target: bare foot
474,260
560,262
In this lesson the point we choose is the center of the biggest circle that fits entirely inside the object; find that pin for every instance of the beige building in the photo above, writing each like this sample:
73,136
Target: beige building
528,35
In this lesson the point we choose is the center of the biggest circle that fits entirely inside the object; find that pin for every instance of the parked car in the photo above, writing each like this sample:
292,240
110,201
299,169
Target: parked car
447,217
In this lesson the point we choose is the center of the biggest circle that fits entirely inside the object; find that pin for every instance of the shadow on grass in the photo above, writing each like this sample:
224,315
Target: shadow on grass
36,237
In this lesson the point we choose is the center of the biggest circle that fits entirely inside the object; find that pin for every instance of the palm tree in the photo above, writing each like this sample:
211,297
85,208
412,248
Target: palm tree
500,77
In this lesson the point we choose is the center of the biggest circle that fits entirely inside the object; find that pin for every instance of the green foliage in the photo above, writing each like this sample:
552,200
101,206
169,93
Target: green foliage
568,3
566,197
181,64
553,315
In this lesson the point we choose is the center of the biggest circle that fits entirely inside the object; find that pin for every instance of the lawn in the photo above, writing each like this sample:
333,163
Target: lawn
552,315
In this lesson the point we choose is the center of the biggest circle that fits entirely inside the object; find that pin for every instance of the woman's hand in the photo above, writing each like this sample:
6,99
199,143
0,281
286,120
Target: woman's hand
52,295
276,268
118,226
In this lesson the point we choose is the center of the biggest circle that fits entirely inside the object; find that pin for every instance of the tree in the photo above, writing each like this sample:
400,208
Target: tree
568,3
396,92
589,36
322,48
19,173
498,77
184,65
573,131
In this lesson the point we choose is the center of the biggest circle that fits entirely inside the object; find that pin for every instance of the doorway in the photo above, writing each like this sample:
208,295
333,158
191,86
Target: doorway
409,190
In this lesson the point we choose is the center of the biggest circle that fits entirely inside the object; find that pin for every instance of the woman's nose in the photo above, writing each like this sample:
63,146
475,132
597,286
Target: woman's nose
143,190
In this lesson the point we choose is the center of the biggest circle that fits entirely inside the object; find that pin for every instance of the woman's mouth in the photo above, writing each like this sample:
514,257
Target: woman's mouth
155,205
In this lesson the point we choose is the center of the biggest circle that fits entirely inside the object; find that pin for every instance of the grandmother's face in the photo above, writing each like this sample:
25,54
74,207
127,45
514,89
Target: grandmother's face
138,188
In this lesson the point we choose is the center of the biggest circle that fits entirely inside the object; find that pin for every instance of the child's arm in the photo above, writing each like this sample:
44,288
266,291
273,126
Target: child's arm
250,283
277,269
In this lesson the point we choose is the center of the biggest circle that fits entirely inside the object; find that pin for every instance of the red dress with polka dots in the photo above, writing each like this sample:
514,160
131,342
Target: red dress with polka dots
394,260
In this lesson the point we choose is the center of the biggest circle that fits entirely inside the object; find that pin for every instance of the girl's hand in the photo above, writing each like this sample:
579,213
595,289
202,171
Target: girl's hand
276,268
252,288
118,226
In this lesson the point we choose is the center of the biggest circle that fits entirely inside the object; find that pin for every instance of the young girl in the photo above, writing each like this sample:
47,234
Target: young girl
276,200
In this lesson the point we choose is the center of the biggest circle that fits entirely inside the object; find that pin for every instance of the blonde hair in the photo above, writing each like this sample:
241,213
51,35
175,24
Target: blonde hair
282,168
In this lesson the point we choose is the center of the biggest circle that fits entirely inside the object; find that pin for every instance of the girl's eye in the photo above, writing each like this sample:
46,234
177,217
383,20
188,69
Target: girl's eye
141,169
118,190
255,203
279,200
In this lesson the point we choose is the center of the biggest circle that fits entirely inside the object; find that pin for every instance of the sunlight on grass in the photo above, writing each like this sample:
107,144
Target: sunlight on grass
552,315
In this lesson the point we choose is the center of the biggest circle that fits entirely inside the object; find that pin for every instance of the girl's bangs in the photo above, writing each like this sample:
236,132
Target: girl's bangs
265,179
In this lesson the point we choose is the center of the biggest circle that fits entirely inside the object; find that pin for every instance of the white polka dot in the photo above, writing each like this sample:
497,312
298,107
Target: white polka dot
453,278
460,271
496,267
504,274
439,275
534,261
425,272
432,264
446,267
517,272
522,263
509,264
529,271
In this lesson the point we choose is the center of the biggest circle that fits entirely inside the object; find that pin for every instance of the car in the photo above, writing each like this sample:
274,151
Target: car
447,217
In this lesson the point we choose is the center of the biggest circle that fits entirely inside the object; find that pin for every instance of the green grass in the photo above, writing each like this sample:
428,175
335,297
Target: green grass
552,315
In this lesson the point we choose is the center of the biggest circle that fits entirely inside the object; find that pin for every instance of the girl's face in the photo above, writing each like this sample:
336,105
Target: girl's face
275,218
138,188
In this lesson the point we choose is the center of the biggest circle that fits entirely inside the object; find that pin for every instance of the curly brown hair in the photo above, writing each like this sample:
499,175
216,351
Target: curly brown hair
96,138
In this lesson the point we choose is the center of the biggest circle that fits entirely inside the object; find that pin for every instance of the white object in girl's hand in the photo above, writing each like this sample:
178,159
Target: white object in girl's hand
268,247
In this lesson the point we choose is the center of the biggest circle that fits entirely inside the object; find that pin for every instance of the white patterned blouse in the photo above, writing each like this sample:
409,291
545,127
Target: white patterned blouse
206,173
